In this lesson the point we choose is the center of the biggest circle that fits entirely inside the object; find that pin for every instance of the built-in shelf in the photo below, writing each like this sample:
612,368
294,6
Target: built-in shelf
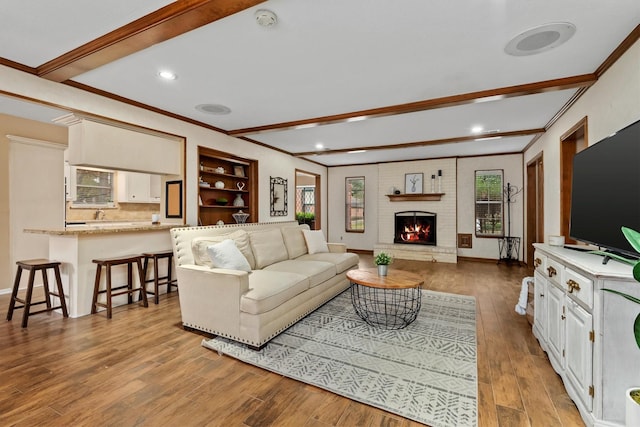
421,197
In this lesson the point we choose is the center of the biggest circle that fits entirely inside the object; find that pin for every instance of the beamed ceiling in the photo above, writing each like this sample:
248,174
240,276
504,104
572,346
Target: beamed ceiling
391,81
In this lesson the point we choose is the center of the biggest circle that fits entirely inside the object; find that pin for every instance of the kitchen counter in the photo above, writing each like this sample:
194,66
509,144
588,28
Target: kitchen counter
102,228
76,246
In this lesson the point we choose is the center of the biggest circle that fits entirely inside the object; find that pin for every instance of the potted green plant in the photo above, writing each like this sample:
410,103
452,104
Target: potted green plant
382,260
632,397
306,218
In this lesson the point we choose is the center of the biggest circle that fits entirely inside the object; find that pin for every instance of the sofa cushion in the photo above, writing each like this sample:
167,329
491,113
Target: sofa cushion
315,240
317,271
294,241
227,255
240,237
269,289
267,247
342,260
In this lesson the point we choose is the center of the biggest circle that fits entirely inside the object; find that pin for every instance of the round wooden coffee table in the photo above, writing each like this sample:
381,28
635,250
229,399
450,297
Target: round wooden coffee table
388,302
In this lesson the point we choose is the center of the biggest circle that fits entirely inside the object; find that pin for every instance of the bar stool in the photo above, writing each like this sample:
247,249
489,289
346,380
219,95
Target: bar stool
158,280
130,261
34,265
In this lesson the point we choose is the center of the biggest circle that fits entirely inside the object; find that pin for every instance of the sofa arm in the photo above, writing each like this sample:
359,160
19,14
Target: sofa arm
337,247
210,298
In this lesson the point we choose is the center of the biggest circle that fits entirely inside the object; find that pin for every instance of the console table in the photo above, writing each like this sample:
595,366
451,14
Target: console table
587,332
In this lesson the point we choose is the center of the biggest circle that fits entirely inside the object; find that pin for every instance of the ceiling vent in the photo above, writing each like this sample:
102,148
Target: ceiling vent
216,109
540,39
266,18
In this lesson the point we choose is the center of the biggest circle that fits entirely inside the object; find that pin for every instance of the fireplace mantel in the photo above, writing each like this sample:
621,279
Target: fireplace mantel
421,197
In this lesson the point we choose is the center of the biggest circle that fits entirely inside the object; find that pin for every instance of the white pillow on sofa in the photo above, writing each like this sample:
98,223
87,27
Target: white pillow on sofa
316,242
227,255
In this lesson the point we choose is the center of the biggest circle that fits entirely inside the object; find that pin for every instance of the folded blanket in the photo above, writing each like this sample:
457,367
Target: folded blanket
521,307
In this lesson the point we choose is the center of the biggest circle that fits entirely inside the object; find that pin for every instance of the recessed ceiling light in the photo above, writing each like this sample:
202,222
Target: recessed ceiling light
216,109
319,146
477,129
167,75
266,18
540,39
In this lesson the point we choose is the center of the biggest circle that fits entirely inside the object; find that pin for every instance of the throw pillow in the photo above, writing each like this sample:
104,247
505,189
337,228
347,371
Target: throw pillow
316,242
227,255
294,240
240,237
268,247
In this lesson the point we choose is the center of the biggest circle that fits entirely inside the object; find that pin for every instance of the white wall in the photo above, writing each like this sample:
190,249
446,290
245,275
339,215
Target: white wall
484,247
612,103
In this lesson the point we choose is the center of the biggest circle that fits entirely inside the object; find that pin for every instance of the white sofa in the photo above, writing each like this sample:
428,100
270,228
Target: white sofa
285,283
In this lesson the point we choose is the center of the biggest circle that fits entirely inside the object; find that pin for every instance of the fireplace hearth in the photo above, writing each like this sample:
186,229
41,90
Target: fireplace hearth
415,228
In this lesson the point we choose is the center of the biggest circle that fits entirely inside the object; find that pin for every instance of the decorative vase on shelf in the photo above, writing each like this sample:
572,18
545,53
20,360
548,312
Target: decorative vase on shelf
382,270
238,201
240,217
219,184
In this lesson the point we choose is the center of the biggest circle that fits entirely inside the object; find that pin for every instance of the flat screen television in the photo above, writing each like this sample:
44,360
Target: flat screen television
605,191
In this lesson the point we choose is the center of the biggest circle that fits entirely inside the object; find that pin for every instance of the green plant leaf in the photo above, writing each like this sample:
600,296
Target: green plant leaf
633,237
636,330
622,294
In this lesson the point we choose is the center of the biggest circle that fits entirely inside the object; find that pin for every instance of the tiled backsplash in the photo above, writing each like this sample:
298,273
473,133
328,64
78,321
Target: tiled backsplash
123,211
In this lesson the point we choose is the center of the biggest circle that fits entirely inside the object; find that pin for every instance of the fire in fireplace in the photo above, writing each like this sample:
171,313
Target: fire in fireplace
415,227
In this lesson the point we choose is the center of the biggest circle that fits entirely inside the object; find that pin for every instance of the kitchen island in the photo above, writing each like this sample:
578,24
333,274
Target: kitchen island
77,246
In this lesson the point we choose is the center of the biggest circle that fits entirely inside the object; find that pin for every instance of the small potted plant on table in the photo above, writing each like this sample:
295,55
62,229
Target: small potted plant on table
382,260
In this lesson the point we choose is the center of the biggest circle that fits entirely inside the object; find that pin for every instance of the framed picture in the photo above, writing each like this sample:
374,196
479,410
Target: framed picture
238,170
413,183
174,199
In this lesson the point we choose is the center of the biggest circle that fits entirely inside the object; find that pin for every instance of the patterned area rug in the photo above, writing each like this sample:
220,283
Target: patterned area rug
425,372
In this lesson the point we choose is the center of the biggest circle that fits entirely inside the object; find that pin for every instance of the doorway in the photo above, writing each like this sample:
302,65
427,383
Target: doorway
573,141
308,209
535,205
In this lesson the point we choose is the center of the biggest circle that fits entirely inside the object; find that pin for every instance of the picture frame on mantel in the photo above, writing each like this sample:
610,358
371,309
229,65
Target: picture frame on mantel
413,183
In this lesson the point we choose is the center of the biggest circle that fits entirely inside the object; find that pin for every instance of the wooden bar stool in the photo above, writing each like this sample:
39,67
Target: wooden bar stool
34,265
158,280
127,288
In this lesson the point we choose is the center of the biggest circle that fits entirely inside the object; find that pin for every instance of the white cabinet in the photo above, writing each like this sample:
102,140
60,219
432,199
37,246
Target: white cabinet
586,331
134,187
579,350
555,325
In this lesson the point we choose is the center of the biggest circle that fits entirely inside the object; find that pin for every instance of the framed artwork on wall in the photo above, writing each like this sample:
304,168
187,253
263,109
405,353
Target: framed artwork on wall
278,196
413,183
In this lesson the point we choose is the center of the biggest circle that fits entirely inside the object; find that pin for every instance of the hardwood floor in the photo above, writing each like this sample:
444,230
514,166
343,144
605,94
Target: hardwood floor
141,369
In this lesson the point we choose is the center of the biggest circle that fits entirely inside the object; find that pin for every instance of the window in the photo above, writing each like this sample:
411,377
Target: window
489,203
355,204
93,187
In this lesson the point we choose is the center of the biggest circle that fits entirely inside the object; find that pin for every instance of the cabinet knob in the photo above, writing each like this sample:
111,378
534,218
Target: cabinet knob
551,271
542,295
537,262
563,317
573,285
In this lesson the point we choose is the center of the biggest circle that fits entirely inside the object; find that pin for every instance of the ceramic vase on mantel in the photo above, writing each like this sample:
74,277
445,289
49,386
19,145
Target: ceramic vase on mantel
632,408
382,270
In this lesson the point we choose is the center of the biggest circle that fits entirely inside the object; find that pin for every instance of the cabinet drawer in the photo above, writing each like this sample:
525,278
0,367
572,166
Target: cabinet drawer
554,272
578,287
540,263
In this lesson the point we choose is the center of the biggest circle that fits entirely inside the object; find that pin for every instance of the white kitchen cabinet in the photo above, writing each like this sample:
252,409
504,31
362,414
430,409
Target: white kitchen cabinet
587,332
134,187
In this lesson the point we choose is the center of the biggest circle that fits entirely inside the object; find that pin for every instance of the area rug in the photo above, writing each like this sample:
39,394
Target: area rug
425,372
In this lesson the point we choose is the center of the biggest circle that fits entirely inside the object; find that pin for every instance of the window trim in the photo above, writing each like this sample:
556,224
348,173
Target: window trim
73,192
478,233
348,205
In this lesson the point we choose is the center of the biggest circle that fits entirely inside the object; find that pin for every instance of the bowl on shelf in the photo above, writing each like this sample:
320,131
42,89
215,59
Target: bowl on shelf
221,201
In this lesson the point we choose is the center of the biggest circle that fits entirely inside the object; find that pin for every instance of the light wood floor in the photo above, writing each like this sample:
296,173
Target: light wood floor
141,369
